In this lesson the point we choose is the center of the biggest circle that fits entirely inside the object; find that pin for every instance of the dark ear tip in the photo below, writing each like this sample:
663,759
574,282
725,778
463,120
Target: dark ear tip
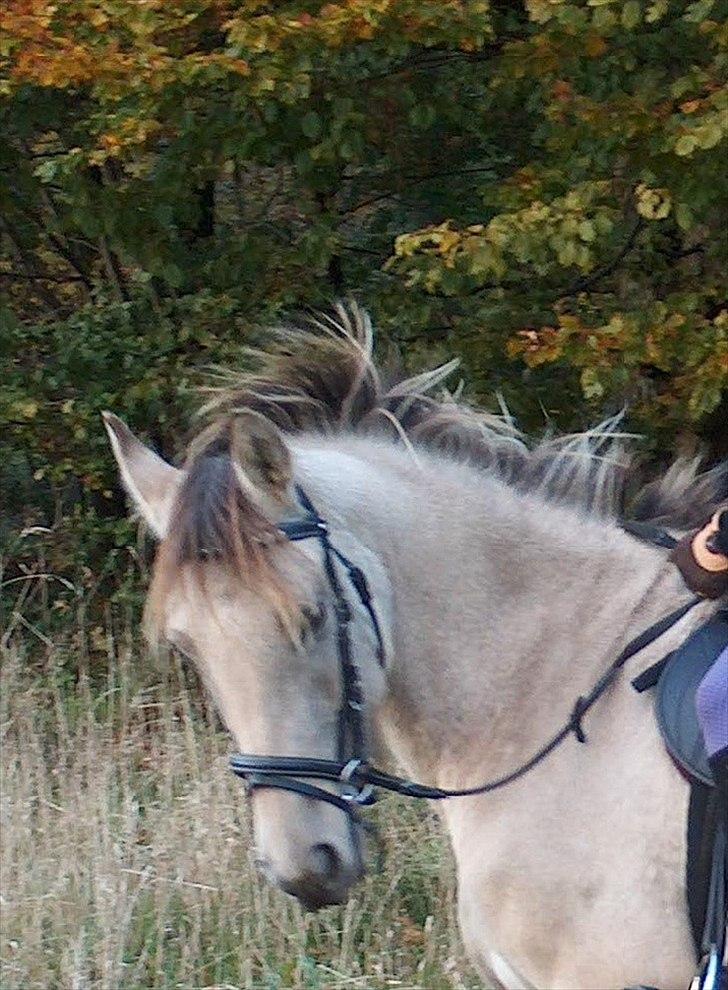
111,421
117,429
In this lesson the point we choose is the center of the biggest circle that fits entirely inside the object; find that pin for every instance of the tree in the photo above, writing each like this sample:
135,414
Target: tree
538,188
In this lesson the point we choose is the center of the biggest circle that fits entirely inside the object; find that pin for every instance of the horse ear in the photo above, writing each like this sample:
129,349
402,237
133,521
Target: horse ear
260,451
151,483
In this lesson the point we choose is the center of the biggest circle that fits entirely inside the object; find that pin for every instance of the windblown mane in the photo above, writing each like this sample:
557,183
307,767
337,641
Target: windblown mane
322,377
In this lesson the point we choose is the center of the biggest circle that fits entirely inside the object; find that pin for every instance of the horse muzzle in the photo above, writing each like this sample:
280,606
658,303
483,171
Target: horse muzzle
324,878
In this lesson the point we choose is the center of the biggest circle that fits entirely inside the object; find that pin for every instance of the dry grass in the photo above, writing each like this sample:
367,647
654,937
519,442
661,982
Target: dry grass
126,854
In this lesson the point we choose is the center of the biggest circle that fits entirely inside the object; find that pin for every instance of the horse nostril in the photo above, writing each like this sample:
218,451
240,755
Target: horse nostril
325,860
323,878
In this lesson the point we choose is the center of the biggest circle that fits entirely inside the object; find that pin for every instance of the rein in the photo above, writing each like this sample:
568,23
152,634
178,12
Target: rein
356,778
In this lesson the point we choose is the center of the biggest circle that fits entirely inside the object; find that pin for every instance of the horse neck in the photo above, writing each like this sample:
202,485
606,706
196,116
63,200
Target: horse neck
505,608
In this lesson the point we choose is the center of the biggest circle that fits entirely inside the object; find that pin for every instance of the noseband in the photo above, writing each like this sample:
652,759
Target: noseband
355,778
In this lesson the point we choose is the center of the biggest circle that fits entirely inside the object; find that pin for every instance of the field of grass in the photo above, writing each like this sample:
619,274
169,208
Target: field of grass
126,849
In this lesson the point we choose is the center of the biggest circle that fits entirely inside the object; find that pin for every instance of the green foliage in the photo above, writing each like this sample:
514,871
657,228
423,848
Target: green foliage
540,189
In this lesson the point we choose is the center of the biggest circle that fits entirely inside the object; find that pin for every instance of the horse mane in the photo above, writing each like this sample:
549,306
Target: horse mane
321,376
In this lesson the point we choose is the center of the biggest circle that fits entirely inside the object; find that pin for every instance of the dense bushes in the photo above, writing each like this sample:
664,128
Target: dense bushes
540,189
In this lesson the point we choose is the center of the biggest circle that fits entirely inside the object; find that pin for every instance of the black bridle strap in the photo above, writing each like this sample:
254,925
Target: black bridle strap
313,526
283,783
359,581
352,705
656,536
351,731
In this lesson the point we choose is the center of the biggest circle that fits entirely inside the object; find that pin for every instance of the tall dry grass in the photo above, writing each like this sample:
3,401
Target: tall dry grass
126,845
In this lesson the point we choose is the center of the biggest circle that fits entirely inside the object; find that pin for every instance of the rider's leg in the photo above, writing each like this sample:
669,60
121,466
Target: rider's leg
712,706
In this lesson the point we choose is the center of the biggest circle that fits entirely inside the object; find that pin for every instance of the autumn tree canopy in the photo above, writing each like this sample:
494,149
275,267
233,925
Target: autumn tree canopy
539,188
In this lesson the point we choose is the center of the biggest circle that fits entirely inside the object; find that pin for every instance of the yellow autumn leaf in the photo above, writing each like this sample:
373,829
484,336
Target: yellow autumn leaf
653,204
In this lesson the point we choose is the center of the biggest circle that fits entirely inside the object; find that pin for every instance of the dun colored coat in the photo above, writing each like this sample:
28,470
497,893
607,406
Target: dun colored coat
504,585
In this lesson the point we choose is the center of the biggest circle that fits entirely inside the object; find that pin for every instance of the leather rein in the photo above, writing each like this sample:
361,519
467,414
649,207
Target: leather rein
355,778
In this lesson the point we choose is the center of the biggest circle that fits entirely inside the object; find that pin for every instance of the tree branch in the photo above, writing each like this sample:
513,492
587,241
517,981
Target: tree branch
435,58
29,263
411,181
40,277
70,258
112,270
58,244
587,281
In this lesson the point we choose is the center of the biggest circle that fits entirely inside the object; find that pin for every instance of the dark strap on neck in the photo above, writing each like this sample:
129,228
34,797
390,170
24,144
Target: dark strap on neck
649,533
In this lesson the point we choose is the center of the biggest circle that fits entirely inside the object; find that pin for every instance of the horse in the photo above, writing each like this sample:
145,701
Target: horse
503,584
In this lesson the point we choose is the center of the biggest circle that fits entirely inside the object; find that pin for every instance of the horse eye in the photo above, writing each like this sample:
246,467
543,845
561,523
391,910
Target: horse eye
314,616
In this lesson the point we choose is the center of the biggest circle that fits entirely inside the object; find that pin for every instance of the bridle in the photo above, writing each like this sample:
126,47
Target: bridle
351,772
283,772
